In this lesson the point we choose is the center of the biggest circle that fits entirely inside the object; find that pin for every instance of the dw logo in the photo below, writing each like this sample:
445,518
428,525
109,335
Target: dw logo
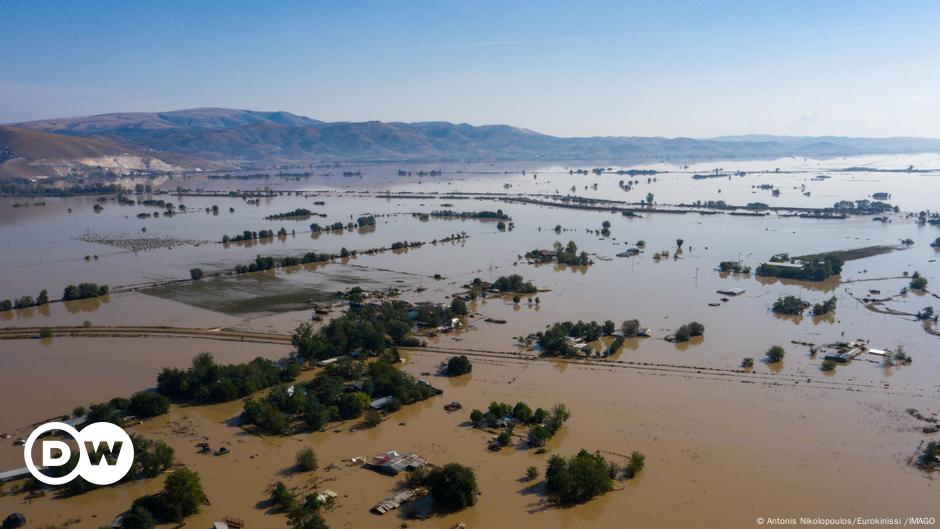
105,453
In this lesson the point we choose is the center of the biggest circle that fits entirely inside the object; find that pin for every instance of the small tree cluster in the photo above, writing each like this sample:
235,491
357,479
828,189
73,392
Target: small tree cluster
458,365
579,478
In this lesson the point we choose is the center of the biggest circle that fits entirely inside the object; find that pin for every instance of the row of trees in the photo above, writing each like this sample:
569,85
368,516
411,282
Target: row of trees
267,263
299,212
449,213
24,302
686,332
83,291
206,382
71,292
249,235
512,283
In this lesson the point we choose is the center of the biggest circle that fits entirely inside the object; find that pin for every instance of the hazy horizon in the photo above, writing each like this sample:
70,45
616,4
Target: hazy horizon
674,70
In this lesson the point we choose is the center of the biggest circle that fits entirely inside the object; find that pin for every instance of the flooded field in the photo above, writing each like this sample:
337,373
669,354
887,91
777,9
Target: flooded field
724,445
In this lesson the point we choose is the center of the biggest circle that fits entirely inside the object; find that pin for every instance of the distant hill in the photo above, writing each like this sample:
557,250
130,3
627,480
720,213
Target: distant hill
26,153
245,135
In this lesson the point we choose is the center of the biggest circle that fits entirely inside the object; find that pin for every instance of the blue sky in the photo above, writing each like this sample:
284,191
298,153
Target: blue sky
584,68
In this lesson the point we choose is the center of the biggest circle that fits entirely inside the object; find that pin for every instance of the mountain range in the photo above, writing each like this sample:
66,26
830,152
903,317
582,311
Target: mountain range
211,138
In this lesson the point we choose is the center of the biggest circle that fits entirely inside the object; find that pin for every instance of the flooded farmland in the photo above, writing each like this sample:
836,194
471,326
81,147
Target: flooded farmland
719,439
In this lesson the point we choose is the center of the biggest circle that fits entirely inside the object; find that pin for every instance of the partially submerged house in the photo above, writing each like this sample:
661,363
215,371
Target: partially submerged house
381,403
846,353
450,325
731,292
392,463
393,502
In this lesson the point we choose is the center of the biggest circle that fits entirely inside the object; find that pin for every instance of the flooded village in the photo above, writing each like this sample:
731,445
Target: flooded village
703,343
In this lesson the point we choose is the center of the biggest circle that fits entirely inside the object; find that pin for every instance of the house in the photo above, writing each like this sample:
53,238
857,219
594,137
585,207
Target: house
18,473
393,502
798,265
381,403
450,325
731,292
327,496
629,252
327,361
392,463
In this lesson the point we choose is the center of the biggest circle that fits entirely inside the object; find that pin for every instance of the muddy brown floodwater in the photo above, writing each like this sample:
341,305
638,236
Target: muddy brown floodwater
723,446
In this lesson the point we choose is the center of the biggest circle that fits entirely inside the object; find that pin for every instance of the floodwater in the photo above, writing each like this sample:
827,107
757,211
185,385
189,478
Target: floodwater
723,447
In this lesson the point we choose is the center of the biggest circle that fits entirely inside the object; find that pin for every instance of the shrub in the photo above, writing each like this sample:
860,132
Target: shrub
825,307
282,498
775,354
306,459
635,464
373,418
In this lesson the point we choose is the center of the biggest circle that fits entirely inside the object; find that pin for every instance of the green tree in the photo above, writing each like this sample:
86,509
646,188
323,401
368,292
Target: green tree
282,498
531,473
458,365
182,494
635,464
147,404
630,328
578,478
306,459
791,305
459,307
775,354
373,418
138,518
351,405
151,458
453,486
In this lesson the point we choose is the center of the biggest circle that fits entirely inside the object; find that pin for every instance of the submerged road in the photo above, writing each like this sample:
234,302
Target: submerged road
653,368
112,331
